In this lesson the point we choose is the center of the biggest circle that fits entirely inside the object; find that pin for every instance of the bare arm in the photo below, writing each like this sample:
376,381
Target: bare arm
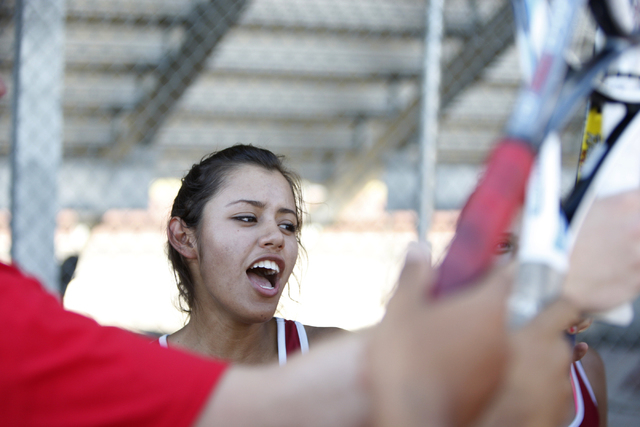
317,334
363,378
430,363
324,388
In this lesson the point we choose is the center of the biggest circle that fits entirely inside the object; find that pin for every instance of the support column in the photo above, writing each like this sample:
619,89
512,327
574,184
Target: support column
36,151
429,114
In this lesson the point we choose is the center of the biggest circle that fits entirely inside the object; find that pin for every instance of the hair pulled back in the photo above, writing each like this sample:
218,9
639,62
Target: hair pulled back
204,181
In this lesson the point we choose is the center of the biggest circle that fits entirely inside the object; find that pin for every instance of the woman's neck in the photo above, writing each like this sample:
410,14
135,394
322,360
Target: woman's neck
242,343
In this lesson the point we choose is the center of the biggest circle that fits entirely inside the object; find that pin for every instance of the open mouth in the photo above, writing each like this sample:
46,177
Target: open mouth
265,272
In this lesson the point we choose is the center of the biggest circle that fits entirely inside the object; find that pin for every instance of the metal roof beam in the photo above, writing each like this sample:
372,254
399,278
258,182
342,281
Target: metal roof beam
354,171
206,24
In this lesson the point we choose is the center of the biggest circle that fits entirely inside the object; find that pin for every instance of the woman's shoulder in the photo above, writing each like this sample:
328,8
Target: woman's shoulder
319,333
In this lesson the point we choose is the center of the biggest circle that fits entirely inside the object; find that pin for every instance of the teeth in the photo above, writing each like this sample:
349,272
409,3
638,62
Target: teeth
267,265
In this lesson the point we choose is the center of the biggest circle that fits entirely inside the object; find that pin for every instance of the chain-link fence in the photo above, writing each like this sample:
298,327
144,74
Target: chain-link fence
111,100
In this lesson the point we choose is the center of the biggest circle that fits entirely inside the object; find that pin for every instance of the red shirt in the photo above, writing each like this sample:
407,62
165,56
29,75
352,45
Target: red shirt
63,369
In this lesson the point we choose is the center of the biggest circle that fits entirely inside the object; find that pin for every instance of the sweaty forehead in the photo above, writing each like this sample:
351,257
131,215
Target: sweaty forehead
256,183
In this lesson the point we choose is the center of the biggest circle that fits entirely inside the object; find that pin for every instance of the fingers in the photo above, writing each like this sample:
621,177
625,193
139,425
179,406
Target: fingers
419,351
473,318
416,274
579,350
537,390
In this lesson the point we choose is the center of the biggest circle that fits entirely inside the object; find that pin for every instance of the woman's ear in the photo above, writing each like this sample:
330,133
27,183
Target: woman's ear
182,238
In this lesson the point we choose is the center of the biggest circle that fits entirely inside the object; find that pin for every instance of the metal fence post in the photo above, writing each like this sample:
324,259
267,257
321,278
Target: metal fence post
37,135
429,114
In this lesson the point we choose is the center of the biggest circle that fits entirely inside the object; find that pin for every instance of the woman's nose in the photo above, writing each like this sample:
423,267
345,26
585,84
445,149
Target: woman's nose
272,237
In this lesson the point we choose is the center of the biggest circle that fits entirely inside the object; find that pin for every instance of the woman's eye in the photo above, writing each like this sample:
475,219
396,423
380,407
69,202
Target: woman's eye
504,247
245,218
289,227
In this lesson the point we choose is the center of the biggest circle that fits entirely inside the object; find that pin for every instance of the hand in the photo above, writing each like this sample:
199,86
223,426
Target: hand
605,263
579,349
437,362
537,390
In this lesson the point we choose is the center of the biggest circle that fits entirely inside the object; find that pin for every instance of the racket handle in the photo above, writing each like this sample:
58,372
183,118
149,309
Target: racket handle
486,215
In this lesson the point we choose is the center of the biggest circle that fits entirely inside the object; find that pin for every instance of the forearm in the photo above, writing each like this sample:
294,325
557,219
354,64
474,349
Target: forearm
323,388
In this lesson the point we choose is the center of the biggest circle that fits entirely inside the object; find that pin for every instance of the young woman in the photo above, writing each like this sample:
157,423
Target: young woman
233,240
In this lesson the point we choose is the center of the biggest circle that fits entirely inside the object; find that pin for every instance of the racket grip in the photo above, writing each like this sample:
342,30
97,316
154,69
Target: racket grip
486,215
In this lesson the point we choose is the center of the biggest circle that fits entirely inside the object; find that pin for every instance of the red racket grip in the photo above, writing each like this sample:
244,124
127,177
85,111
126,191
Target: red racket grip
486,215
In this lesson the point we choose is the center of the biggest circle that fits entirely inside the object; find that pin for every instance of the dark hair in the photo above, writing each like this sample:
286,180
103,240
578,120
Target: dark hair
204,181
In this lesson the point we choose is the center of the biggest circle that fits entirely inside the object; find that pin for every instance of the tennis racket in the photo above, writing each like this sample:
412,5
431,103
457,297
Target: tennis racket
543,256
543,106
531,18
610,167
546,241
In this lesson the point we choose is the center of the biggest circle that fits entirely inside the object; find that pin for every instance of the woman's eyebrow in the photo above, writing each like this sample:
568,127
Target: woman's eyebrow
287,211
261,205
255,203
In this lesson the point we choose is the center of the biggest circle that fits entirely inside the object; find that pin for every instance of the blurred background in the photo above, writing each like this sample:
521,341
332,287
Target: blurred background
386,108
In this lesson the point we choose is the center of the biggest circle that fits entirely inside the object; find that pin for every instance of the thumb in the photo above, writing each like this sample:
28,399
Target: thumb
416,273
579,351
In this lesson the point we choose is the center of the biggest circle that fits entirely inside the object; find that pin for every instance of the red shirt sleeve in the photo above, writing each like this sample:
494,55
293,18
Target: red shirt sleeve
62,369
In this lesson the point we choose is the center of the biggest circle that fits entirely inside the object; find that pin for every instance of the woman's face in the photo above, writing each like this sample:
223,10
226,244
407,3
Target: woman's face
247,245
507,248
